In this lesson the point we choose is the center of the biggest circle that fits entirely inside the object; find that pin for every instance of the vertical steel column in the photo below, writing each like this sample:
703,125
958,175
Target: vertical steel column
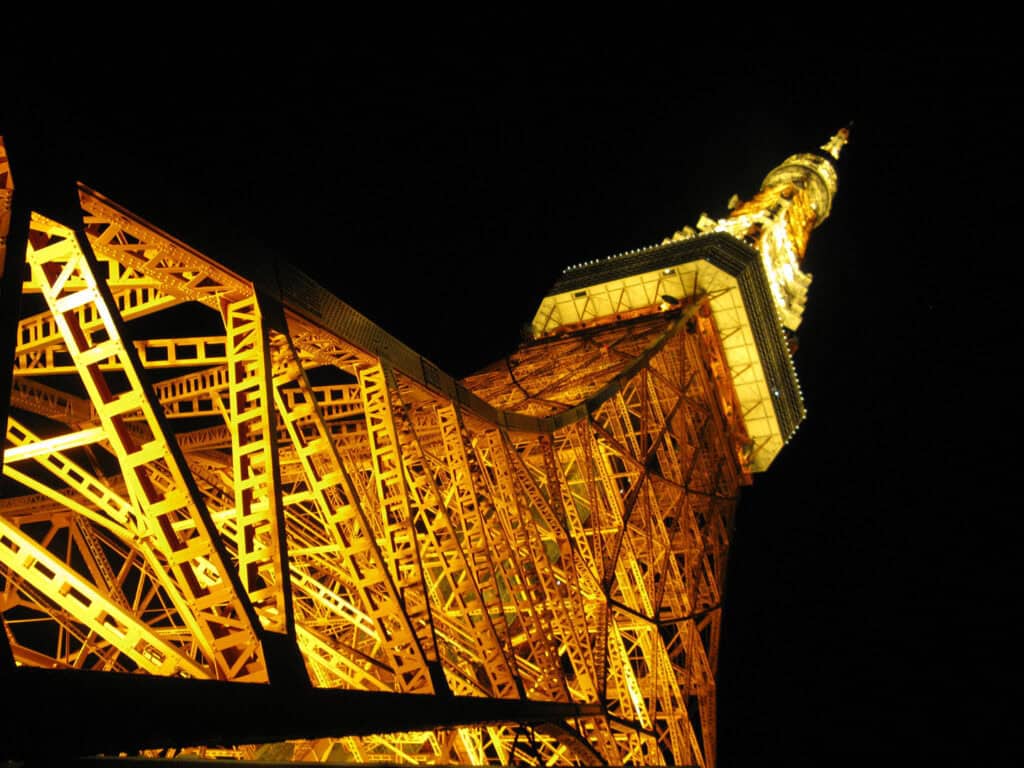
260,541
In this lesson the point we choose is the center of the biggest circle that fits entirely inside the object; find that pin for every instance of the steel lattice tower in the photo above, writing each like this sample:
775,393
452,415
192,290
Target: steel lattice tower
215,479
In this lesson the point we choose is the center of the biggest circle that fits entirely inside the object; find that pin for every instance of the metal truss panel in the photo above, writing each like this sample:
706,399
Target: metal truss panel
340,523
75,596
471,653
182,530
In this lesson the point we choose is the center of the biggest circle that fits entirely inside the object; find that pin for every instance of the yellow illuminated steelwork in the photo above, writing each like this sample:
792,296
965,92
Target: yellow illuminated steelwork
553,528
795,197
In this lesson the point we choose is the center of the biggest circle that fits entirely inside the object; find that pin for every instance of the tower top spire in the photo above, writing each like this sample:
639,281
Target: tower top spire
836,143
795,198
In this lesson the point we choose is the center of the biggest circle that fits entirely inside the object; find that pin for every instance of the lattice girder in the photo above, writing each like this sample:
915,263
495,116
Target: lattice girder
258,522
476,662
138,246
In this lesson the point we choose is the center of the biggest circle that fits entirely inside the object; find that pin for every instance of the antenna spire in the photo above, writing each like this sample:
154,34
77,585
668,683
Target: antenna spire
836,143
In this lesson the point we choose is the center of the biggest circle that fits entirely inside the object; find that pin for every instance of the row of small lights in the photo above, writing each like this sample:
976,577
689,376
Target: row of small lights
796,378
592,262
620,255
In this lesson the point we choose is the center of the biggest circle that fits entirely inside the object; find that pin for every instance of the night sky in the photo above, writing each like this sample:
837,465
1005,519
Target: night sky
870,592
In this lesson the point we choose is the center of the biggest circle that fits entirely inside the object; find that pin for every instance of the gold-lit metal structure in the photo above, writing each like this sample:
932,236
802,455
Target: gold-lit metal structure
210,473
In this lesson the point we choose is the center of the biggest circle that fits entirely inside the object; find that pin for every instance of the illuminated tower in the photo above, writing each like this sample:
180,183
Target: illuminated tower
238,478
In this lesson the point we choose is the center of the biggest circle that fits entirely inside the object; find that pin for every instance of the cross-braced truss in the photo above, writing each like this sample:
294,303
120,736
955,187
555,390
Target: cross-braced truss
192,469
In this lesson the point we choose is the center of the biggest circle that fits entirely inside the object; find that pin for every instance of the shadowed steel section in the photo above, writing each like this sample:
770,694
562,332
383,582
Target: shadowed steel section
167,712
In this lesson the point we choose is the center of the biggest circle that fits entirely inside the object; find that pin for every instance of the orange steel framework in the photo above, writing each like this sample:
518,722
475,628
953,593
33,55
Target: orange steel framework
212,476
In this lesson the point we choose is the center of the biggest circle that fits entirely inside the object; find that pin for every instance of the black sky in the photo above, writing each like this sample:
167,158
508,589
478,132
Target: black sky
870,594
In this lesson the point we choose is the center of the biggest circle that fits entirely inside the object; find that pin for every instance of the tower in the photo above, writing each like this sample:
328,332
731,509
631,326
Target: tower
216,479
